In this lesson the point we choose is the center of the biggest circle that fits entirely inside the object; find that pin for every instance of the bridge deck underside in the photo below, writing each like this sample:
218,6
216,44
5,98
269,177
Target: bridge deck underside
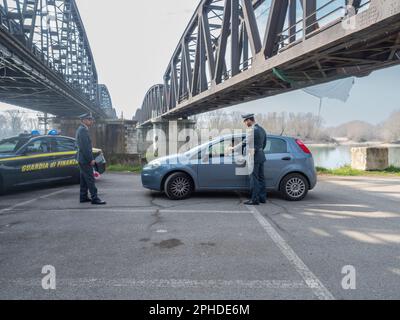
20,88
350,56
46,63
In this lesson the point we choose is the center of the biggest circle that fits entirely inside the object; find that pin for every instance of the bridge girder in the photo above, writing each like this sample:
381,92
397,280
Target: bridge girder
44,43
230,47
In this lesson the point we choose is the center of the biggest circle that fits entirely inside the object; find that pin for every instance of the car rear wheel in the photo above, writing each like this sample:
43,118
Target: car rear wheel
294,187
179,186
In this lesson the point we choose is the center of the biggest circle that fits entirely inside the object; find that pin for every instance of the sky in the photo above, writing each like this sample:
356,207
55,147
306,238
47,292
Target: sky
133,41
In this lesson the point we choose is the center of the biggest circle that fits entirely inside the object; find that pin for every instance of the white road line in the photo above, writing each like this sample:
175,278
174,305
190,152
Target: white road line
310,279
156,283
116,210
21,204
201,211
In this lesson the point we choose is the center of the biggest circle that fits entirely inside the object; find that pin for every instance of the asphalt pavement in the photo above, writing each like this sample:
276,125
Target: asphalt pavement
144,246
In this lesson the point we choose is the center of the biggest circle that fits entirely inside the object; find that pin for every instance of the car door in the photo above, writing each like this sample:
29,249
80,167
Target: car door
217,168
278,158
33,164
66,163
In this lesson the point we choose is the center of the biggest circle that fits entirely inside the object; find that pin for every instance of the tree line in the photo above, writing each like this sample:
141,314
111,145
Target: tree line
14,122
307,126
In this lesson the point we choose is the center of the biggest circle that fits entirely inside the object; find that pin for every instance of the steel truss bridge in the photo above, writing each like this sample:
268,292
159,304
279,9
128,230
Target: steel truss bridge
234,51
46,63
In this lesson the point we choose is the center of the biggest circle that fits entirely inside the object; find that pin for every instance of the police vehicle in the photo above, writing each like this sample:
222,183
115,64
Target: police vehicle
31,159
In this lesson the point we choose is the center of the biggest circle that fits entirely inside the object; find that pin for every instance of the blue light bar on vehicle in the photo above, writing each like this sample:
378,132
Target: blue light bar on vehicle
35,133
53,132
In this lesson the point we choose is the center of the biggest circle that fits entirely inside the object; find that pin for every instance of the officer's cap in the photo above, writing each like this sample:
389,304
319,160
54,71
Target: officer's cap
86,116
248,116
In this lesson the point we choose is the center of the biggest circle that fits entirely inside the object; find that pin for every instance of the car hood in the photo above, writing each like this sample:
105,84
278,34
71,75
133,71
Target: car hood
6,155
171,159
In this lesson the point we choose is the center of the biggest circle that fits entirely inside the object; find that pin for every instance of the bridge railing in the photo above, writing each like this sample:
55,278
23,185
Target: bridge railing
225,38
328,14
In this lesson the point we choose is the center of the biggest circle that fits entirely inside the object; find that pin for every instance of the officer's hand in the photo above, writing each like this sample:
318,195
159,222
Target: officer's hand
92,163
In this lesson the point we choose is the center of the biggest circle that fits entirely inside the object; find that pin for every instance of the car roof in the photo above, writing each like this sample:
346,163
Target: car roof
244,134
30,136
52,136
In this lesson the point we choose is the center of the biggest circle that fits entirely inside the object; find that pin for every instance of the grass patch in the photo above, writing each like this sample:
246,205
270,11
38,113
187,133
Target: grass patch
124,168
347,171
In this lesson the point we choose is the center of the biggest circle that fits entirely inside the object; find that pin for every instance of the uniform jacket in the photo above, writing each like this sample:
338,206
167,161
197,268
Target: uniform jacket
257,139
84,144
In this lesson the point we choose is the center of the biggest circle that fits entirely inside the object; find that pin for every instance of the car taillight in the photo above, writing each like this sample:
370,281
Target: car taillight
303,146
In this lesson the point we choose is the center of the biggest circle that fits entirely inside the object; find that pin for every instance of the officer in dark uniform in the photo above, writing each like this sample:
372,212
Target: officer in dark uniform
86,161
256,143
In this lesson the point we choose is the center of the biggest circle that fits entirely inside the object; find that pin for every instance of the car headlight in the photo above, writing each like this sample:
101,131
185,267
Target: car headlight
154,165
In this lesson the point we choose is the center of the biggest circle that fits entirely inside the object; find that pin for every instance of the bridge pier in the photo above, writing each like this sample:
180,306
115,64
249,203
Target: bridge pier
117,138
162,137
123,142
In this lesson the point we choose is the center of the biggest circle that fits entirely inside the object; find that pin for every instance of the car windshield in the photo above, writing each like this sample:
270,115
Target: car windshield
11,145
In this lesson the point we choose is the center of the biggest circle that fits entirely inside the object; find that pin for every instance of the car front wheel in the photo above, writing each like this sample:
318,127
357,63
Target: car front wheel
294,187
178,186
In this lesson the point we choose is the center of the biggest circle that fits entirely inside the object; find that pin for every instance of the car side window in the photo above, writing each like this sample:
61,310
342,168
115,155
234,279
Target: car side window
276,146
220,149
38,146
65,145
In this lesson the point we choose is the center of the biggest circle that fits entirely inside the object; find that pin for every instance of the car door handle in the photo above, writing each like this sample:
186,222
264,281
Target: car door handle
286,158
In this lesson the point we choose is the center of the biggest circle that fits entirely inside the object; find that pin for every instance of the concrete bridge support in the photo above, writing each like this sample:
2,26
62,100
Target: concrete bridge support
370,158
163,137
117,138
123,142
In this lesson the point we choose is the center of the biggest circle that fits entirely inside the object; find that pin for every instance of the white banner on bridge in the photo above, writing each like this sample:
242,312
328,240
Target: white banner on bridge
339,89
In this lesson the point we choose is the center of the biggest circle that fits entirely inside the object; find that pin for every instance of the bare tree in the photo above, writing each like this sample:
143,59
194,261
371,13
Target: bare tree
16,119
391,128
3,126
30,123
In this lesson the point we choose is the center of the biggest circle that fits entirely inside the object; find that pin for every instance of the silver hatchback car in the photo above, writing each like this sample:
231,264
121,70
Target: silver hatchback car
289,169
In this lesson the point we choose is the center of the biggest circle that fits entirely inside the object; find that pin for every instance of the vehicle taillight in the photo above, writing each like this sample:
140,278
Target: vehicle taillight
303,146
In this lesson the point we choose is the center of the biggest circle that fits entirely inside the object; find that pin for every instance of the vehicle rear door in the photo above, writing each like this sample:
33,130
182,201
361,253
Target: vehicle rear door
278,158
65,159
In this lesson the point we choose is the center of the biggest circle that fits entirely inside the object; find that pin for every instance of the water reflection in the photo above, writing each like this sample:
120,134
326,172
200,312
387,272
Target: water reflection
333,157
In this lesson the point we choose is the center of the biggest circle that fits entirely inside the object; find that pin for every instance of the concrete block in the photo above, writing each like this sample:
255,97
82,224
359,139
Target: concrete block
370,158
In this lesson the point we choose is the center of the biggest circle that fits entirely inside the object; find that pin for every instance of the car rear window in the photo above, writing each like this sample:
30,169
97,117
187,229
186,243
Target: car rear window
276,145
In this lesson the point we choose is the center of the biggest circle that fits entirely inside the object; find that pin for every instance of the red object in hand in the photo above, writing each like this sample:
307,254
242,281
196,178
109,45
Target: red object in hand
96,175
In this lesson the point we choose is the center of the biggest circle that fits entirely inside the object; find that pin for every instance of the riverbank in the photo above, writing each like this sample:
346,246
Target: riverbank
124,168
349,143
348,171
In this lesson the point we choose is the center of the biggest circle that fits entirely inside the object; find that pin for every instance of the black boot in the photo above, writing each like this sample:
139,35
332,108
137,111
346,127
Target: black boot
99,202
251,203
